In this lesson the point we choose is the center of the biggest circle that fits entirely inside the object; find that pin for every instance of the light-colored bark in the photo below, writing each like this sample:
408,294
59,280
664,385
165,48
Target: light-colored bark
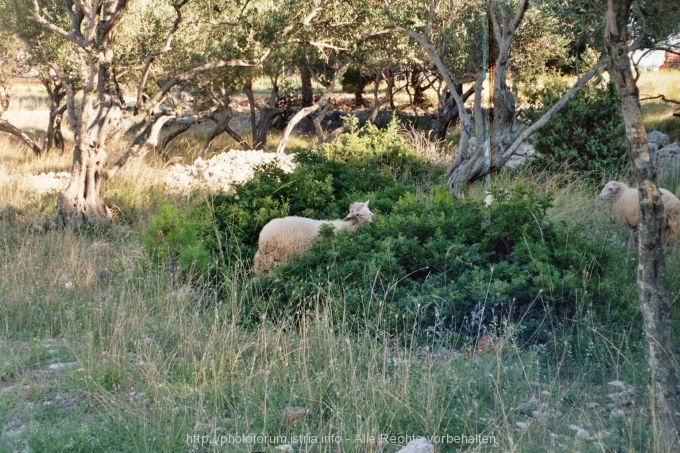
101,115
654,301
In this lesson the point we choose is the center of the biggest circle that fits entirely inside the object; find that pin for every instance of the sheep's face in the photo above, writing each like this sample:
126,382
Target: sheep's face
359,213
611,190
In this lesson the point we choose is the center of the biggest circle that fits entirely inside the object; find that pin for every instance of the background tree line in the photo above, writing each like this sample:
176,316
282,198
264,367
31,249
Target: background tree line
111,67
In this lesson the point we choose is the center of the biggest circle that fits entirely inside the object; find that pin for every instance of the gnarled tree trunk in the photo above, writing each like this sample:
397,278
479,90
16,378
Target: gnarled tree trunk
260,125
82,201
483,161
654,301
306,89
505,138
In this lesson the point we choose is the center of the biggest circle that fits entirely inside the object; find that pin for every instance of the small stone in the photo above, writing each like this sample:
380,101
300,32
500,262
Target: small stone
618,384
294,413
539,415
61,365
617,414
532,402
658,138
418,445
621,398
580,432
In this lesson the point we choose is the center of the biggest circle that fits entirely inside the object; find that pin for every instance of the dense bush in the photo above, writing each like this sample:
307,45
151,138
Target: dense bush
175,238
429,263
439,264
586,136
365,163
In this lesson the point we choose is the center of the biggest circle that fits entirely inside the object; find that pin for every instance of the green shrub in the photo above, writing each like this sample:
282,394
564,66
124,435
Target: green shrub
439,264
366,163
586,136
175,238
429,265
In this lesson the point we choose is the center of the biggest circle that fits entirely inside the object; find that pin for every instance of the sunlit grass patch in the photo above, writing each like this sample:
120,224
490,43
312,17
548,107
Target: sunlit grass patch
657,113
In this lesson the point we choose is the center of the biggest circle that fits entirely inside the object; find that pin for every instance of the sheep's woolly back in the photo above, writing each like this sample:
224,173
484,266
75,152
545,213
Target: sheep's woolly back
285,238
627,206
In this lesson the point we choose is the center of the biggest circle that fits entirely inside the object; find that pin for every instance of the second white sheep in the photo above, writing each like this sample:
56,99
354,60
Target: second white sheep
627,207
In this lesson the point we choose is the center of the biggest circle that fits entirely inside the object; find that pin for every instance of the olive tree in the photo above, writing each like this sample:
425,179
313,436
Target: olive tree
115,80
495,25
354,40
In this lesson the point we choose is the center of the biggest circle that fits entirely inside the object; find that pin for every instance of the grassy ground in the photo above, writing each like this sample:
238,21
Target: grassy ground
102,351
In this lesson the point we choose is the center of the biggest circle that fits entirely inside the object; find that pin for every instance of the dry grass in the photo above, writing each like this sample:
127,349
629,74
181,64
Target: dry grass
658,114
155,369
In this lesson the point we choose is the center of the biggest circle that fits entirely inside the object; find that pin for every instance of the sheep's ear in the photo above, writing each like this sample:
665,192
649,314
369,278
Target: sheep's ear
366,203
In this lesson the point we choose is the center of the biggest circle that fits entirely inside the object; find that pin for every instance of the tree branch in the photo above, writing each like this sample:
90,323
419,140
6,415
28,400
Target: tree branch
110,16
193,72
519,15
74,36
6,126
167,46
237,62
566,97
76,14
463,115
662,97
302,113
148,136
494,21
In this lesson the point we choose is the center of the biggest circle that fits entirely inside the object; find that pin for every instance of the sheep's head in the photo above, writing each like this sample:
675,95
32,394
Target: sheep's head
359,213
612,190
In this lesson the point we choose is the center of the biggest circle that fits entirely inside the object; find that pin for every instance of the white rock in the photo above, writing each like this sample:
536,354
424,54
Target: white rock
580,432
620,398
617,414
618,384
418,445
221,171
658,138
61,365
525,150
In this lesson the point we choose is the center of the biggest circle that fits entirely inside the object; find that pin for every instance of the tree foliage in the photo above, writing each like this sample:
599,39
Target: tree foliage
182,61
586,136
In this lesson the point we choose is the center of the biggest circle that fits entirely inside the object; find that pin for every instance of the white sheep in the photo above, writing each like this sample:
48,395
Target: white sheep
627,207
285,238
